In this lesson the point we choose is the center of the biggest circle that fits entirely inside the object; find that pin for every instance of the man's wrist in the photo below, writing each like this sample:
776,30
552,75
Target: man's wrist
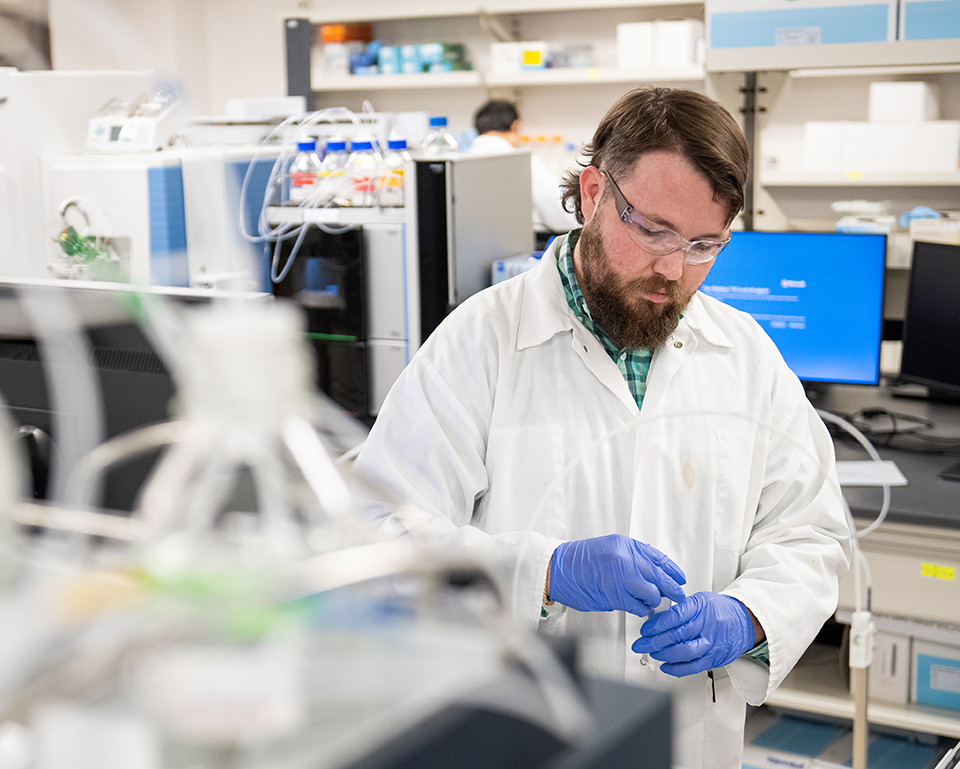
759,636
546,585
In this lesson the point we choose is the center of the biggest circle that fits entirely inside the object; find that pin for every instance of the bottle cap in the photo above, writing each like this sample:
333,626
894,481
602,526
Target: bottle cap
396,144
361,145
309,145
336,145
437,121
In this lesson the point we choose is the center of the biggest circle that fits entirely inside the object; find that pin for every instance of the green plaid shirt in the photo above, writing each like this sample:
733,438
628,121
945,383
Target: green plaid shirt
634,365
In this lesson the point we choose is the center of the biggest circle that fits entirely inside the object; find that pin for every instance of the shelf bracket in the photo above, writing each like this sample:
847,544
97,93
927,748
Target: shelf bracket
299,40
750,109
491,24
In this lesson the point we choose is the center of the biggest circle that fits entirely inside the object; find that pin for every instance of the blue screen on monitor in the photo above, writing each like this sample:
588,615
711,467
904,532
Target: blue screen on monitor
818,295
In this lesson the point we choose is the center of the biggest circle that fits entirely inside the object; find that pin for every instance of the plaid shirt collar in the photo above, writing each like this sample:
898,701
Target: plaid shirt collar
634,365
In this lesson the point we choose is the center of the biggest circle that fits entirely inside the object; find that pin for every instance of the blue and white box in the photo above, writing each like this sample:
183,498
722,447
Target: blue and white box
929,19
410,59
388,58
936,674
769,23
504,269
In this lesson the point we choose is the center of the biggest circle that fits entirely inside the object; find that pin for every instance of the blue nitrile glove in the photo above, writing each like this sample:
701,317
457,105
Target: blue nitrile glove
613,573
704,631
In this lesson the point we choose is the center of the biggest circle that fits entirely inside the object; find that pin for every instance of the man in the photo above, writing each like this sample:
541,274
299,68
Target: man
606,437
498,129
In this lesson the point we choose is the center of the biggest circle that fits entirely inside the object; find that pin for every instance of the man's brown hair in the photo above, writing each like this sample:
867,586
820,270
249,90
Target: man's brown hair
673,119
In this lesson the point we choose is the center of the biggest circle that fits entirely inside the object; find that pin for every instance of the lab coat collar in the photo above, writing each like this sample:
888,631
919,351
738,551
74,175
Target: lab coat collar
700,321
544,311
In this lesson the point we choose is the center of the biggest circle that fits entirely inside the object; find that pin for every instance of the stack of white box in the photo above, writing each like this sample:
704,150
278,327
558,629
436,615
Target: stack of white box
660,44
904,134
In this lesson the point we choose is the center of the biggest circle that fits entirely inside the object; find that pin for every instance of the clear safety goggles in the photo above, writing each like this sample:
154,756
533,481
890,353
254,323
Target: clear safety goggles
657,239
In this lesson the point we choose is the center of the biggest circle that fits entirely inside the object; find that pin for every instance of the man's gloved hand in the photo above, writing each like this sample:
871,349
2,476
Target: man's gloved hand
613,572
705,631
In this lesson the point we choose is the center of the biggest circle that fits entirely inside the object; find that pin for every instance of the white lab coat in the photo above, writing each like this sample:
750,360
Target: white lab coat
513,430
548,212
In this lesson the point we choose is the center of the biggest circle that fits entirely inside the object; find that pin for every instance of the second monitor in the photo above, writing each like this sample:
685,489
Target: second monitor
819,295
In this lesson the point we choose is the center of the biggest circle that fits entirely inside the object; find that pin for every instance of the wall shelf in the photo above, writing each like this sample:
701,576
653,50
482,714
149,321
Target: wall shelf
864,179
816,686
386,10
470,79
912,69
587,75
475,79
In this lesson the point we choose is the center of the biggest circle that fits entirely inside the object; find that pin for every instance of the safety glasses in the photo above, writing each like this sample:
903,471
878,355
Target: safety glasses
657,239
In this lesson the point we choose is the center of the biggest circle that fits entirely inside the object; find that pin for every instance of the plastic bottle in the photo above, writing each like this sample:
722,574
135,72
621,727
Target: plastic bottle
439,140
363,172
332,172
391,174
304,172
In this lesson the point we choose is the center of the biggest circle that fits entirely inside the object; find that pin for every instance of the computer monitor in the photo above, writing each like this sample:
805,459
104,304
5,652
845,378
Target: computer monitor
931,326
819,295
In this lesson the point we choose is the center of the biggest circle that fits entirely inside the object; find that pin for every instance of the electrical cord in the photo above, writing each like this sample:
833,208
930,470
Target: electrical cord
891,429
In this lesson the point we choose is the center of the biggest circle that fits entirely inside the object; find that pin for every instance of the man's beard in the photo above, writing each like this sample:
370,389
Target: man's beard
631,321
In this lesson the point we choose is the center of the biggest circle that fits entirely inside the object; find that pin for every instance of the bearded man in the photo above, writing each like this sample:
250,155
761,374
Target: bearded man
612,442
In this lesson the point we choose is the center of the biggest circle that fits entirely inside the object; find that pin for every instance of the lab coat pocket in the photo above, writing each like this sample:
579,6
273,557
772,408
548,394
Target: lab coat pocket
728,712
525,465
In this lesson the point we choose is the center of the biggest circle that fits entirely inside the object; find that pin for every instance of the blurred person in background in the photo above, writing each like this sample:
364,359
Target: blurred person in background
498,130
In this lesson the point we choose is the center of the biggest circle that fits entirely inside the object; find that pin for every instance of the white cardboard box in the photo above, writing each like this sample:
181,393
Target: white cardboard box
938,145
677,42
860,146
635,45
505,57
823,145
904,102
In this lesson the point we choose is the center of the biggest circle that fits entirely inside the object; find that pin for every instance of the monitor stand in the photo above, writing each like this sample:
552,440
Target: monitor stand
922,392
816,391
951,473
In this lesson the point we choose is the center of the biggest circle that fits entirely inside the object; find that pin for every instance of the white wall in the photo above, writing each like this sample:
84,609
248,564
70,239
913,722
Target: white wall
217,49
246,48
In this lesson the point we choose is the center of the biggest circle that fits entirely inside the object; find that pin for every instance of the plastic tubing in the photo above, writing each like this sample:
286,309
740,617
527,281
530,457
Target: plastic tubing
875,456
287,231
81,485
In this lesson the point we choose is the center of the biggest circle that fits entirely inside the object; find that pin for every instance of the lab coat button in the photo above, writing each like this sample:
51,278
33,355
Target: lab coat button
678,345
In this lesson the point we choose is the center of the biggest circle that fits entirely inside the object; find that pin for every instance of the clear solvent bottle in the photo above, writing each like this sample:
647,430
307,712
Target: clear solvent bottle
392,174
304,172
363,172
332,169
439,141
